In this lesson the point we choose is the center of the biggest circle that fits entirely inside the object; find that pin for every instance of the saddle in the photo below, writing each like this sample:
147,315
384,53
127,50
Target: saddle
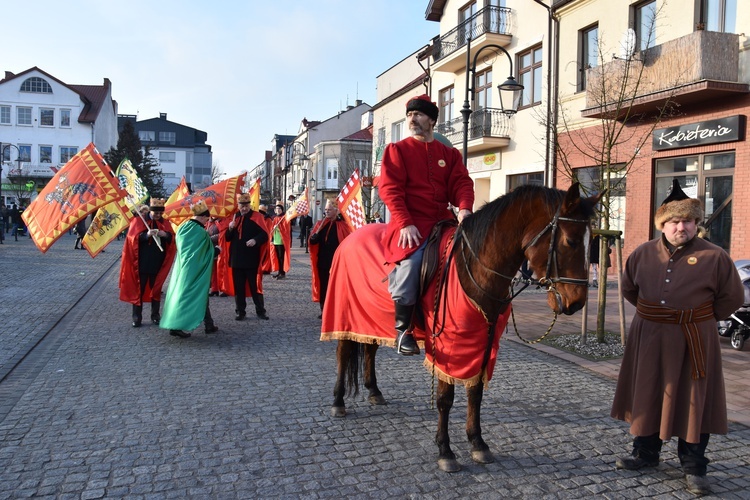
433,253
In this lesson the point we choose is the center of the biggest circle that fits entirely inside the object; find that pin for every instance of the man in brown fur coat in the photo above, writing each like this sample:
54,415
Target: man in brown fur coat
671,382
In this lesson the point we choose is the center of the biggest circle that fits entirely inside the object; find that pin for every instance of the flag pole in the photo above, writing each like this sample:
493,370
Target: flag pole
130,200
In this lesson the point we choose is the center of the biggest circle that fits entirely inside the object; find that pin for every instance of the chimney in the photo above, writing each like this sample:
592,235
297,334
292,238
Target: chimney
162,116
358,102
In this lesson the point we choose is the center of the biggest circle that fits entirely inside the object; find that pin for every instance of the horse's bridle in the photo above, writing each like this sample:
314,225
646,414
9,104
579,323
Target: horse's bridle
547,281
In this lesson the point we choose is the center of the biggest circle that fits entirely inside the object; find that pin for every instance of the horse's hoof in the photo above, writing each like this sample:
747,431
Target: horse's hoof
482,457
338,411
377,400
449,465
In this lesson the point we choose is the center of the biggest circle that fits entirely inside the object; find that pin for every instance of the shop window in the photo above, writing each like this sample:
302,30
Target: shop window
708,178
534,178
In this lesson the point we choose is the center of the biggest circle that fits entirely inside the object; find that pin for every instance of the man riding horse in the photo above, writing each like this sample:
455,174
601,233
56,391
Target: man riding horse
419,178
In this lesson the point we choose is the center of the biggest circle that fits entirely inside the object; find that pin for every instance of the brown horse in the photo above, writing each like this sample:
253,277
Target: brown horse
548,227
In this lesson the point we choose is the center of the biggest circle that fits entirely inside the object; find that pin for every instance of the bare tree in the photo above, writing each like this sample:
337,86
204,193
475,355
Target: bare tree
216,173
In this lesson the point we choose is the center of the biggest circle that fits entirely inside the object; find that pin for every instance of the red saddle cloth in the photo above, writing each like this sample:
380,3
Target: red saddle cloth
358,307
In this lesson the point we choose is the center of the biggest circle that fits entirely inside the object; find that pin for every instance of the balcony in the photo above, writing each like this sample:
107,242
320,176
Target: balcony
491,25
489,128
711,72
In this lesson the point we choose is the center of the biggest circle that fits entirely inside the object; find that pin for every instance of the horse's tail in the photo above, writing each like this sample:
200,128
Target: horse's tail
352,375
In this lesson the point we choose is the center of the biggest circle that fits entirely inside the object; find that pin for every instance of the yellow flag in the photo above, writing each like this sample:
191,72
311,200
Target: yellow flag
255,195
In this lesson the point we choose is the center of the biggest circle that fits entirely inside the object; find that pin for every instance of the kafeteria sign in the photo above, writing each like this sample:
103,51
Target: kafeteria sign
727,129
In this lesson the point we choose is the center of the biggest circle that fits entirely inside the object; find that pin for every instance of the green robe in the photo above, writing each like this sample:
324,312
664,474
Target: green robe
187,295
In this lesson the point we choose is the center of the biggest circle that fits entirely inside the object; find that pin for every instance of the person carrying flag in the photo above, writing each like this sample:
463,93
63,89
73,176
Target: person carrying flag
419,177
144,266
281,237
247,239
325,238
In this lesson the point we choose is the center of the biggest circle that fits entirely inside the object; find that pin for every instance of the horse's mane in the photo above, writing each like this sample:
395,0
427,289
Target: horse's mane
479,223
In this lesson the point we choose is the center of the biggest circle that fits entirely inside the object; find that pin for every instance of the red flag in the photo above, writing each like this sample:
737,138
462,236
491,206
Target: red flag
350,202
83,185
221,199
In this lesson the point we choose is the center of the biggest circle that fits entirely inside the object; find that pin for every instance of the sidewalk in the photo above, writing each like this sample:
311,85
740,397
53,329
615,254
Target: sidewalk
534,314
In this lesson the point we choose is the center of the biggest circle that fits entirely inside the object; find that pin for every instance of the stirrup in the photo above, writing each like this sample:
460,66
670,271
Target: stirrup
406,345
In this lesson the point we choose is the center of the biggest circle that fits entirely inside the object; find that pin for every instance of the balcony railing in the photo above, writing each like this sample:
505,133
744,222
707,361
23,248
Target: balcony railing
485,122
491,19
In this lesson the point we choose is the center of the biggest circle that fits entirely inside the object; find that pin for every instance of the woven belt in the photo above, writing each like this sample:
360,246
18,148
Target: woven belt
687,319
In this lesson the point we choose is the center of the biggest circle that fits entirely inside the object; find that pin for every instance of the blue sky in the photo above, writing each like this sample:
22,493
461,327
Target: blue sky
239,70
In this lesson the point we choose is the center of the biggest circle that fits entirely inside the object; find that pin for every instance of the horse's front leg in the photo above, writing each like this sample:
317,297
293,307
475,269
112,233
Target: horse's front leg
446,459
371,383
480,452
344,351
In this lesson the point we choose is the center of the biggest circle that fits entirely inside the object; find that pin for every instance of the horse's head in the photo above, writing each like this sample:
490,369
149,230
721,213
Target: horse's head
559,252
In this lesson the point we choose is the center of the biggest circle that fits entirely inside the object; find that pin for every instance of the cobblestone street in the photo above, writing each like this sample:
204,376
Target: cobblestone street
92,408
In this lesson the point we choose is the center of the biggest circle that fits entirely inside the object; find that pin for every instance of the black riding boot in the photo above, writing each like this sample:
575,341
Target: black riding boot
155,316
405,343
260,306
137,315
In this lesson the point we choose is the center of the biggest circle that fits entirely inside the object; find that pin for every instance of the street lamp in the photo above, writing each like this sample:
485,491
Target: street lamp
3,147
291,160
509,85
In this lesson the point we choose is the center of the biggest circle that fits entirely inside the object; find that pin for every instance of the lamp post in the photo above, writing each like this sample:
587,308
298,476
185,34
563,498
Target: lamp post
509,85
291,160
3,147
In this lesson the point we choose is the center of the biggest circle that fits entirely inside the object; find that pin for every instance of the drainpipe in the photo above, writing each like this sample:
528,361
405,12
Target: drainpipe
550,156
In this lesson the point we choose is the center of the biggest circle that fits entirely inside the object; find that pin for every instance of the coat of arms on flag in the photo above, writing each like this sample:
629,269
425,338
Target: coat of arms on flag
350,202
300,207
83,185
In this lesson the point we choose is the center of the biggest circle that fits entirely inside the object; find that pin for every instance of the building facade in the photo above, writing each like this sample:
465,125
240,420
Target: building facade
683,69
179,149
44,122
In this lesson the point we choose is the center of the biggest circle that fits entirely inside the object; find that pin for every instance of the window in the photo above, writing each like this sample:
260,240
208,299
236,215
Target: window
589,55
46,117
530,73
4,115
332,173
45,154
167,137
645,24
483,89
36,85
719,15
65,118
23,116
24,152
446,105
593,181
467,15
167,156
707,177
67,152
397,131
362,166
535,179
147,135
6,153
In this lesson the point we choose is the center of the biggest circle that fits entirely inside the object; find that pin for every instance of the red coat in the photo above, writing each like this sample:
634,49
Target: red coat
417,182
286,237
130,283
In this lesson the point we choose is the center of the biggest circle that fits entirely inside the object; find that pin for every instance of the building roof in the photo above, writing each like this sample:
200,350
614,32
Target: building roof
364,135
92,96
435,10
403,90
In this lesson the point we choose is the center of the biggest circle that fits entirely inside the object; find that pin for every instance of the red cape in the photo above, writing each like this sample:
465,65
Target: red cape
342,231
130,283
226,283
285,228
358,307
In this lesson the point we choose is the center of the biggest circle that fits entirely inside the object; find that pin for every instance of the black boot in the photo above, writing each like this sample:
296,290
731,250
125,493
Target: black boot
260,306
405,343
137,315
155,316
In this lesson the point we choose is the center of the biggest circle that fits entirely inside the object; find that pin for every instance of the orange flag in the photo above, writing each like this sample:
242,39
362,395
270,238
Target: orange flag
83,185
300,207
255,194
181,192
221,199
350,202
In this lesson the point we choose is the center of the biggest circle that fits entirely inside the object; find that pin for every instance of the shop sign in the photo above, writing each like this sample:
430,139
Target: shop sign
727,129
488,161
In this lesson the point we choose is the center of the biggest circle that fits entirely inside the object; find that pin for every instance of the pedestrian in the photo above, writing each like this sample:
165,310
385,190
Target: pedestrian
248,240
325,238
671,381
144,266
186,304
305,225
419,177
377,218
80,230
281,238
15,220
594,258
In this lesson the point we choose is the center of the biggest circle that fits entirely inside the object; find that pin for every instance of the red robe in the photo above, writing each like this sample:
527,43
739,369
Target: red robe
417,182
226,282
342,231
130,283
286,237
265,261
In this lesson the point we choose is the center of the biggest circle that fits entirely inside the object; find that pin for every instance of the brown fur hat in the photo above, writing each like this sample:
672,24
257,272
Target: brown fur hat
678,204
